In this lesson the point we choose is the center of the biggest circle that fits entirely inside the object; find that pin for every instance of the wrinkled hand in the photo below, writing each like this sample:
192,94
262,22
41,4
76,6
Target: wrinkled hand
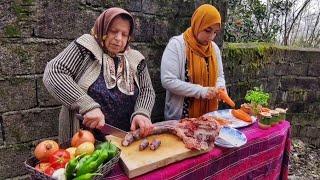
211,93
142,122
94,118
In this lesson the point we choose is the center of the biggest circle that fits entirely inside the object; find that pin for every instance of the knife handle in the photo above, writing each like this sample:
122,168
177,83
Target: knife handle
96,132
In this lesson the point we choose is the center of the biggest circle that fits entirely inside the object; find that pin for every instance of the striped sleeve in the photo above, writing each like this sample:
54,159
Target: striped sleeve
146,97
59,77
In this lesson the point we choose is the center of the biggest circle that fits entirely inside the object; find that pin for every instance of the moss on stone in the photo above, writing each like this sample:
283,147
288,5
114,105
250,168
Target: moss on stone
16,81
21,11
12,31
257,52
27,2
22,54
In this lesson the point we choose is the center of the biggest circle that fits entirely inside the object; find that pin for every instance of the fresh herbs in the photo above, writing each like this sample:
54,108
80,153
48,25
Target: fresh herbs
257,97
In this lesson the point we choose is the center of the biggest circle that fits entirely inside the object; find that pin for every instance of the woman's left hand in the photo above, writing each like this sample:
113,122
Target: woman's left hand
142,122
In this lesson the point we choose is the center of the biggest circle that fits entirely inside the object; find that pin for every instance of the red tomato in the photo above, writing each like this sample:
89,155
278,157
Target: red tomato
59,159
49,171
41,167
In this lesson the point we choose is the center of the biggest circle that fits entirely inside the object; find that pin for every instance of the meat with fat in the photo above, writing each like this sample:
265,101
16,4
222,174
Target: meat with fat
196,133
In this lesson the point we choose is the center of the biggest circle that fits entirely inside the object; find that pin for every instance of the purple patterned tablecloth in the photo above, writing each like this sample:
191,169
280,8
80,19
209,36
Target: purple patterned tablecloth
264,156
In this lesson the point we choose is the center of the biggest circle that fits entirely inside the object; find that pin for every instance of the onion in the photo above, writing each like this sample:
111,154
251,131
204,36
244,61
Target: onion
82,136
44,149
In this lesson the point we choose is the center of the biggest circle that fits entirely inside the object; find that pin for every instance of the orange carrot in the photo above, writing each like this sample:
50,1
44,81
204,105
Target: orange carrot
240,114
222,95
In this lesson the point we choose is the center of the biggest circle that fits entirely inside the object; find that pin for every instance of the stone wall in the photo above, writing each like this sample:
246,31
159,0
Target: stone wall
32,32
290,75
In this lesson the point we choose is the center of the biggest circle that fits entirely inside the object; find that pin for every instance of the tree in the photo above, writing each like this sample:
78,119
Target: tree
288,22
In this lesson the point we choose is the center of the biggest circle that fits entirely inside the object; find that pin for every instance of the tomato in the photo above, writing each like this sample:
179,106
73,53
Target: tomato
41,167
49,171
59,159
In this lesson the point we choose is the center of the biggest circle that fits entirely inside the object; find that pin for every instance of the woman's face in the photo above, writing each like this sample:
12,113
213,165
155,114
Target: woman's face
208,35
117,35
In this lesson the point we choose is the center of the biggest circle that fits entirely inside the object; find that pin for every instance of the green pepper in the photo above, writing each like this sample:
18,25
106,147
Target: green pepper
71,166
112,151
102,157
104,145
90,165
87,176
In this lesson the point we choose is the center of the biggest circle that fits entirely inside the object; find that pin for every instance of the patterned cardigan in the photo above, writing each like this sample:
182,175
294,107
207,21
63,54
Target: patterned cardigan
68,76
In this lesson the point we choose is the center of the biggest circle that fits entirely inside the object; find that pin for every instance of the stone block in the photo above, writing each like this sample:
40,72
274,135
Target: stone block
159,7
312,132
16,59
29,125
12,159
17,94
153,56
295,130
130,5
44,98
282,69
18,19
308,83
297,107
298,69
28,56
313,70
312,56
294,56
287,82
144,26
67,21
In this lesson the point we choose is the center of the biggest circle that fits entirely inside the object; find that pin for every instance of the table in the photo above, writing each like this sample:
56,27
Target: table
264,156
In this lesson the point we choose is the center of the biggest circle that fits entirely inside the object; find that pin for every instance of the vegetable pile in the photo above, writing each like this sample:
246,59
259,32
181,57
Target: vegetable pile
79,162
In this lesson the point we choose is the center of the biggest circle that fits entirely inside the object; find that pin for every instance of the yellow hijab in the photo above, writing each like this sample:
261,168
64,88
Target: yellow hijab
205,16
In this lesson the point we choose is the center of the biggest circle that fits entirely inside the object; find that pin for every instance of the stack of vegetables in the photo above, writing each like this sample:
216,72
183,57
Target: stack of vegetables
80,161
258,100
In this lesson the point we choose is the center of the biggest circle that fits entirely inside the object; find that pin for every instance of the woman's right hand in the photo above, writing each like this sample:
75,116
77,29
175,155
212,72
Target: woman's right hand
94,118
211,93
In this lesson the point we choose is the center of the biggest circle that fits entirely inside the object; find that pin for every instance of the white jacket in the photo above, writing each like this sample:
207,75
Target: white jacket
173,77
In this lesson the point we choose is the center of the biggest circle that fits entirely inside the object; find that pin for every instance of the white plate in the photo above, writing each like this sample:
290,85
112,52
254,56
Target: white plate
234,122
230,138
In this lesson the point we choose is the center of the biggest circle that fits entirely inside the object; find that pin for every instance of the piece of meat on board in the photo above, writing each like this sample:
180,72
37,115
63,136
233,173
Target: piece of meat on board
196,133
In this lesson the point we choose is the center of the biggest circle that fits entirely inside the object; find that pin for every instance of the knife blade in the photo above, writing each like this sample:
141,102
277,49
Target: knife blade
107,129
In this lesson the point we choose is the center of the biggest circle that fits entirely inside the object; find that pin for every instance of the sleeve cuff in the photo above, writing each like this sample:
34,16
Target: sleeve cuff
85,104
142,112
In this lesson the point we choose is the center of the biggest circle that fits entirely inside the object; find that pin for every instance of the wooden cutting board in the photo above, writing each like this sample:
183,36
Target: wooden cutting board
135,162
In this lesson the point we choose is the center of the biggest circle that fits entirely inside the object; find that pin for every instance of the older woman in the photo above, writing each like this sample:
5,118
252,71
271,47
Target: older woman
100,77
191,67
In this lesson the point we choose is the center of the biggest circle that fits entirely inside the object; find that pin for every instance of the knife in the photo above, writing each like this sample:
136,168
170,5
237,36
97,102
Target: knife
107,129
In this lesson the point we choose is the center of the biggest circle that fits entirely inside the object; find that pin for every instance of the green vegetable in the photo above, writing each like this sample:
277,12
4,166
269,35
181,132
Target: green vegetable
87,176
91,165
71,167
257,97
104,145
88,164
112,151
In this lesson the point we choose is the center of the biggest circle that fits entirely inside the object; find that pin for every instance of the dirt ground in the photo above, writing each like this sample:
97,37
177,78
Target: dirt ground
304,161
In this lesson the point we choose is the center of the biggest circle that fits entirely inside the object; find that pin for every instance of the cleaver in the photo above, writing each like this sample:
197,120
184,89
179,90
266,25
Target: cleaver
107,129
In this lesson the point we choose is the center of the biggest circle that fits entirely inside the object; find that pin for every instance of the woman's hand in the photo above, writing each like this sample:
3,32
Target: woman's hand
94,118
142,122
211,93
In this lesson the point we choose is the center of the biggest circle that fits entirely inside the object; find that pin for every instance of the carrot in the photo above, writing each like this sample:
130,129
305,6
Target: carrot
264,109
222,95
240,114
